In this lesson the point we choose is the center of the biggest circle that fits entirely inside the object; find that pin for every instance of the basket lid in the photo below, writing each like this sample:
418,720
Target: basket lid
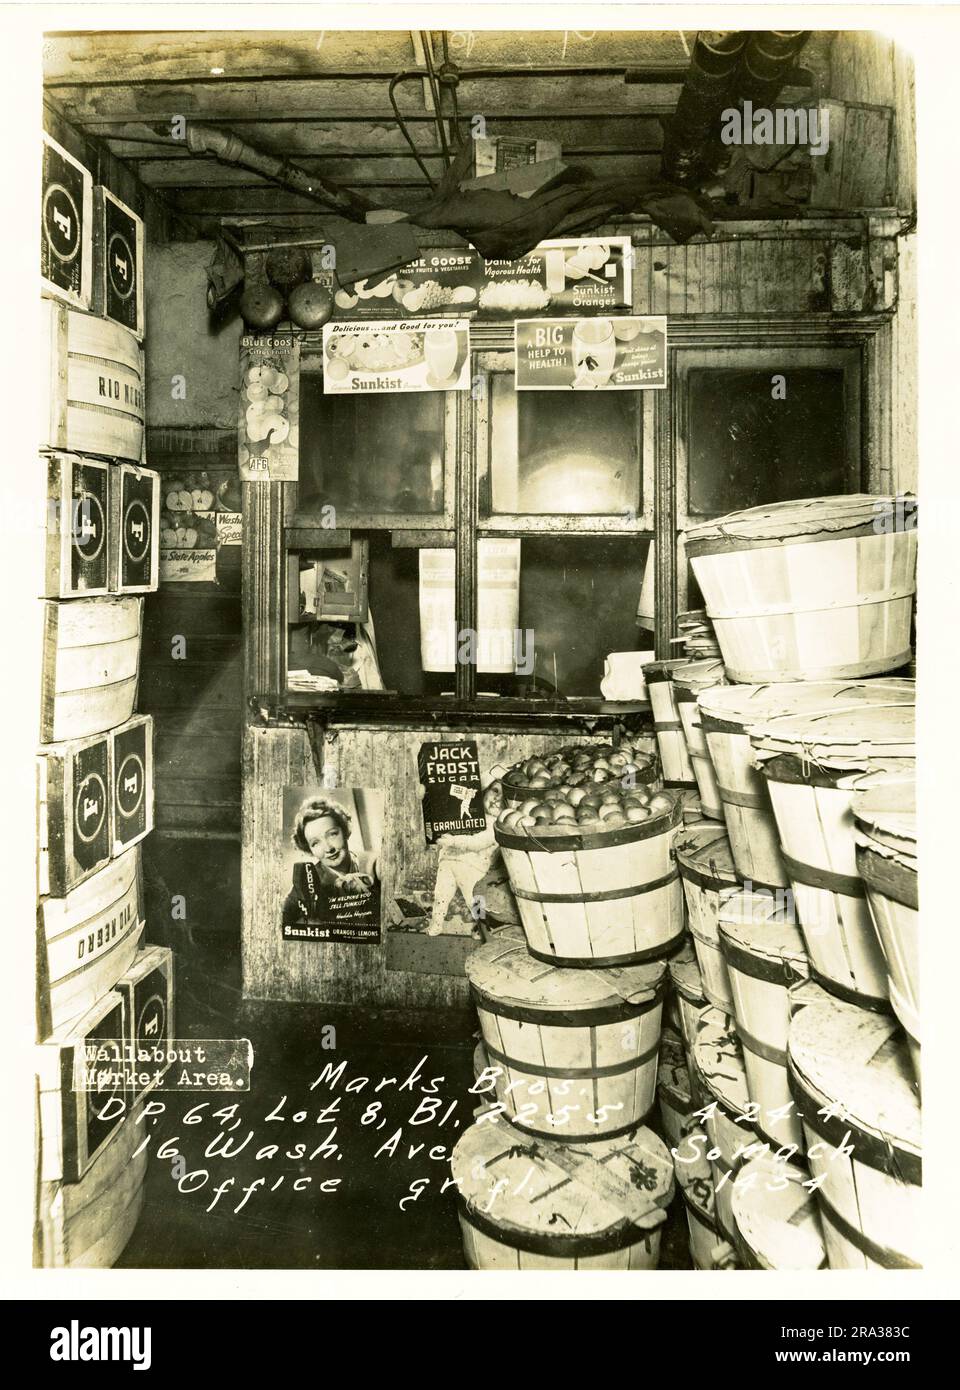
776,1216
704,851
760,926
700,674
504,972
654,671
841,738
849,1057
526,1185
692,1167
745,706
813,518
885,809
719,1061
685,974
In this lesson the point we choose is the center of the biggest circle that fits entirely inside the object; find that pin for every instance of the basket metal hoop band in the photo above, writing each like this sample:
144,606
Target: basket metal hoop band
900,886
574,1073
870,1149
729,542
618,1237
772,972
851,996
621,1011
781,610
666,948
849,885
879,1254
605,896
763,1050
752,800
667,726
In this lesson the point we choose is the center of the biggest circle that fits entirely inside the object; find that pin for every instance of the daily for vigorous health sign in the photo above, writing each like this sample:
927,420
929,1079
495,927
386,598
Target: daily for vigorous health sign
595,354
450,776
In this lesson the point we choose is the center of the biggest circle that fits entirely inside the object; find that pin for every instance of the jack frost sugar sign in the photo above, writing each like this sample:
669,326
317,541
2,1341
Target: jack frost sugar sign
595,354
450,778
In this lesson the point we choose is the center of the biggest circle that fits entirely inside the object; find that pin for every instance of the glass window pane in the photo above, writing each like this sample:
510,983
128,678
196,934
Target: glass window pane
578,599
327,648
745,447
370,454
576,454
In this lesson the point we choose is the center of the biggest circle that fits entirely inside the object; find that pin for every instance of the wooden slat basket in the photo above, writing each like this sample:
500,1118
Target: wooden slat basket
819,589
810,763
688,681
719,1062
728,713
776,1217
765,955
671,740
599,898
885,815
706,870
575,1051
533,1203
852,1078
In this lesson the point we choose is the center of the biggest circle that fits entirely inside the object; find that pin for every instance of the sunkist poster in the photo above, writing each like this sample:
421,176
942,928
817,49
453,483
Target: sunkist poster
381,358
449,771
591,354
331,873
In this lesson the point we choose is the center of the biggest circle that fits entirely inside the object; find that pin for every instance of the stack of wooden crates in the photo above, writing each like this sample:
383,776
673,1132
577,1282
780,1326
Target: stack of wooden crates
101,995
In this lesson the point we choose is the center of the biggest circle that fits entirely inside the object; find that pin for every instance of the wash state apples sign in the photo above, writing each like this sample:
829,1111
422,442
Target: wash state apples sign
269,409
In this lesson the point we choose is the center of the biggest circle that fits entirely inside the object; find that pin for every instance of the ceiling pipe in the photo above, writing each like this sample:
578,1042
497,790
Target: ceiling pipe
230,149
692,133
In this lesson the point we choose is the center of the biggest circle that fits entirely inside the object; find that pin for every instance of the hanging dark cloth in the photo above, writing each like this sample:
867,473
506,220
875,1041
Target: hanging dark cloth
503,226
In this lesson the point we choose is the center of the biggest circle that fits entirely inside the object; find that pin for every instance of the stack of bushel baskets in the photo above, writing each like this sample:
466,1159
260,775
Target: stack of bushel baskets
100,994
799,1004
560,1171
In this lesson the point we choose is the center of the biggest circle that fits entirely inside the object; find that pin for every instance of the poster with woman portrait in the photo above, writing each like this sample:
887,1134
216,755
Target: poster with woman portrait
331,840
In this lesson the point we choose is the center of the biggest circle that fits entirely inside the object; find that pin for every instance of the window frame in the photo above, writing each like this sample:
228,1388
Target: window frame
306,519
272,524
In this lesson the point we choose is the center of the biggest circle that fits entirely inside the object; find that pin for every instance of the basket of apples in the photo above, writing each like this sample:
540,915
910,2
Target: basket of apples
593,871
630,765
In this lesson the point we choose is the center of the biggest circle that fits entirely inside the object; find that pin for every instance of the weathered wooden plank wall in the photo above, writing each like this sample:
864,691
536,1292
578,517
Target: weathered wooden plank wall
797,267
275,758
195,697
871,68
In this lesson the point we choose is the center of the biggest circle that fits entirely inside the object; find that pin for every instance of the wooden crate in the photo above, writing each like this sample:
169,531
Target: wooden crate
77,1122
118,260
78,527
131,782
75,812
91,664
148,989
85,942
95,371
135,529
85,1225
66,238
